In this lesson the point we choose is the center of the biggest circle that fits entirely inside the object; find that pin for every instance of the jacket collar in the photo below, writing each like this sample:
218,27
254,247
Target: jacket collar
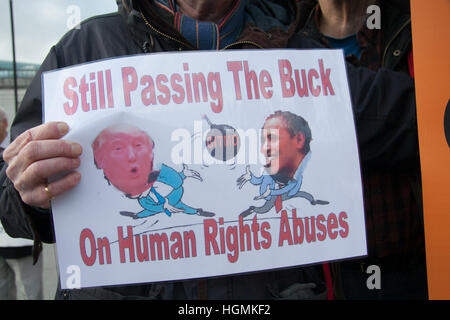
269,28
207,35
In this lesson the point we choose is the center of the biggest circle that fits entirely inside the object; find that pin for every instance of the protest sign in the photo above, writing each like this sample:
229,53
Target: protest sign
431,66
206,163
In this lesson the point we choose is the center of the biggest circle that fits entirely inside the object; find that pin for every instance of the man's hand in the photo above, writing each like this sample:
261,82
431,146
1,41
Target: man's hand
38,154
247,176
188,173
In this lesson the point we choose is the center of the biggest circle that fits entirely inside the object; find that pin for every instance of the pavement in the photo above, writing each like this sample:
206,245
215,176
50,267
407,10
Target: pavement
50,272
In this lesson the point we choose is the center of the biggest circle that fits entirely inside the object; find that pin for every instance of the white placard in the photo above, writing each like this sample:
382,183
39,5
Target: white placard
218,196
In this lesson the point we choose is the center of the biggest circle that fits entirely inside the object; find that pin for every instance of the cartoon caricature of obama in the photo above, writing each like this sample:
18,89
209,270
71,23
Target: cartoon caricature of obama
125,154
286,146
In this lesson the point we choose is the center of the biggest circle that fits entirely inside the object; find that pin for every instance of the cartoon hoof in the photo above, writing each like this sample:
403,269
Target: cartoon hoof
247,212
202,213
314,202
129,214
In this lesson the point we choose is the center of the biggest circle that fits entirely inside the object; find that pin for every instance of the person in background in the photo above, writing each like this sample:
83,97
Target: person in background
392,198
19,278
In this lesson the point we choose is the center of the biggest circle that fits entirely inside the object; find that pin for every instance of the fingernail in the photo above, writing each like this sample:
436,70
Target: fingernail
76,162
76,148
63,128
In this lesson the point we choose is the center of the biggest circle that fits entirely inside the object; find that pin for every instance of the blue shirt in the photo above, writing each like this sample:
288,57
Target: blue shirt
349,44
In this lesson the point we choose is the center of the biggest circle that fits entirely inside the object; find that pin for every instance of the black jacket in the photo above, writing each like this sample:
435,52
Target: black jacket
396,40
384,106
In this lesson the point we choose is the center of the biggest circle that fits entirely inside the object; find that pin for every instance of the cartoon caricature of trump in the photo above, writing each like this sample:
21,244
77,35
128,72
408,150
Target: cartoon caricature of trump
125,153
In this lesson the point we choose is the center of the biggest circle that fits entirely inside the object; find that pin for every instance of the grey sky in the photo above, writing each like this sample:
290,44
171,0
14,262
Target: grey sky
39,24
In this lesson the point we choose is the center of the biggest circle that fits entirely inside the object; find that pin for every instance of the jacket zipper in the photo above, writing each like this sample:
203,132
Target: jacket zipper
164,34
190,46
392,39
242,42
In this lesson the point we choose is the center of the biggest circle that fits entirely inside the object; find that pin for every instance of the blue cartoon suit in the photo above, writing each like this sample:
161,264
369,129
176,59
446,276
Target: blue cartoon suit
171,203
174,179
268,189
